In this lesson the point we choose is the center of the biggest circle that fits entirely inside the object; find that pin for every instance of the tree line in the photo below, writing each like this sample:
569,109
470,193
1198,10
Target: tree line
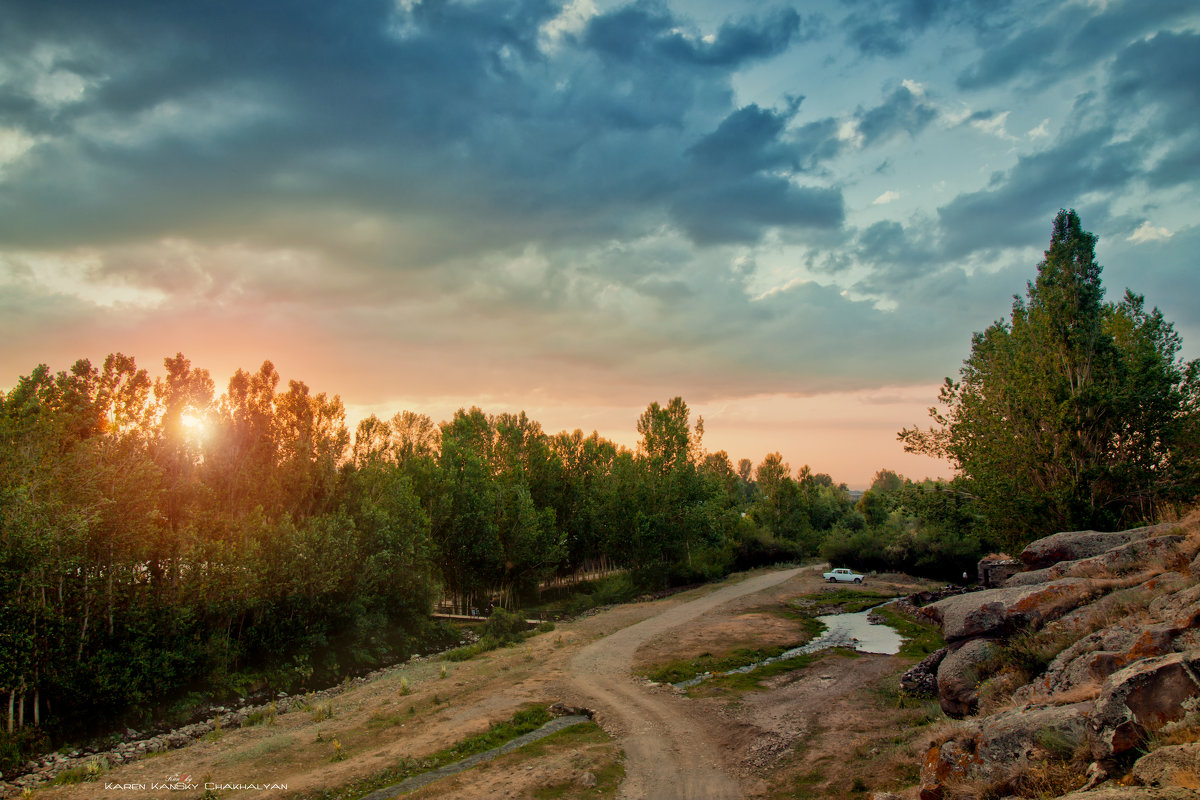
157,539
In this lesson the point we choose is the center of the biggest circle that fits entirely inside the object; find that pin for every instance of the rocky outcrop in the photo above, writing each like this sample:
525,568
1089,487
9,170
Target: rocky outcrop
1123,559
1073,545
996,612
1178,765
1122,610
1140,699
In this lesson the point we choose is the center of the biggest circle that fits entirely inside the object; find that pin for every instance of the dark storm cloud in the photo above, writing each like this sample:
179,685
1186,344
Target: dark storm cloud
901,112
1142,128
647,30
1012,210
1161,75
887,28
449,111
1068,39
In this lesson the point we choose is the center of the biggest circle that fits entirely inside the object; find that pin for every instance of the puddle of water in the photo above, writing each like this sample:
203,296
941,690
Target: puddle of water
855,631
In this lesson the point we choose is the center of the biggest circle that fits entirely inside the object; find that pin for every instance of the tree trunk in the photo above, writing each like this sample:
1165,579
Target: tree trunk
37,712
21,711
12,696
82,630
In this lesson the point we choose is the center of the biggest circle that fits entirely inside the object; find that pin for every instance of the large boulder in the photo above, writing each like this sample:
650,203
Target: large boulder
996,612
1175,766
1140,699
1172,550
1073,545
959,675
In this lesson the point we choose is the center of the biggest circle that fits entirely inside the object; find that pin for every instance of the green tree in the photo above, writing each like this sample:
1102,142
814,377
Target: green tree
1074,413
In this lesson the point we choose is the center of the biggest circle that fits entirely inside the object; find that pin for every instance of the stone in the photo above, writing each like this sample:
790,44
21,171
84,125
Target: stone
959,675
1129,793
944,762
996,612
1176,765
1139,699
1073,545
1031,732
587,780
921,679
1170,549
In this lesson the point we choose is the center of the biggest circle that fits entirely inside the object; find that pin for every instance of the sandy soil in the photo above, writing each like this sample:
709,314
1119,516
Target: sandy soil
814,728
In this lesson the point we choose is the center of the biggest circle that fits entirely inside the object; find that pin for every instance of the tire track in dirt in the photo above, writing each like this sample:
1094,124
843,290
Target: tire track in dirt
667,754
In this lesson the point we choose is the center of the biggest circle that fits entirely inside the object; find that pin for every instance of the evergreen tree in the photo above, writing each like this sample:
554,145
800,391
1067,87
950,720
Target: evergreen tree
1074,413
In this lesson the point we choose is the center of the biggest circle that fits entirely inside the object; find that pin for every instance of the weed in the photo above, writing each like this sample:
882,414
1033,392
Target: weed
444,673
216,734
1061,745
84,772
338,753
322,712
405,688
380,720
263,716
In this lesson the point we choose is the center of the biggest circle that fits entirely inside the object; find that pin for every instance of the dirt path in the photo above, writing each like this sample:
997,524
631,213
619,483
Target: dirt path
667,755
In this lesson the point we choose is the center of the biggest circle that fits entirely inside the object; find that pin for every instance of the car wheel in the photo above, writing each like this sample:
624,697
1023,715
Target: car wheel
829,580
858,580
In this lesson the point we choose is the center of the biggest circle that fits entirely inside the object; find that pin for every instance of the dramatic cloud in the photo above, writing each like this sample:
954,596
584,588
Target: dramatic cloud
587,203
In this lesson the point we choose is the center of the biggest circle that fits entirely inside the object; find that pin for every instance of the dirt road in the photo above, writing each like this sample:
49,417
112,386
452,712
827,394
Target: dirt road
667,756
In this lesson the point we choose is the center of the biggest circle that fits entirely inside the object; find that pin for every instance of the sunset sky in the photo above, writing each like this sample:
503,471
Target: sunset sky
793,216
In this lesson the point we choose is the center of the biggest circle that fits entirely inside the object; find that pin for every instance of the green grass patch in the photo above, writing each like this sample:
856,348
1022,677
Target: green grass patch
752,681
839,601
524,721
920,639
380,720
85,772
686,669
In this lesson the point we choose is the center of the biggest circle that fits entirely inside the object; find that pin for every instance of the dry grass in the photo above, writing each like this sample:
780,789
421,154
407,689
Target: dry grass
1039,779
1076,694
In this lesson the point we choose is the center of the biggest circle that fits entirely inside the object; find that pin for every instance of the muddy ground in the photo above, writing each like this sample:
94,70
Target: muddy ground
836,728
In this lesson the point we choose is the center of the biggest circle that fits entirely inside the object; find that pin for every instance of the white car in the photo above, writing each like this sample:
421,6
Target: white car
841,575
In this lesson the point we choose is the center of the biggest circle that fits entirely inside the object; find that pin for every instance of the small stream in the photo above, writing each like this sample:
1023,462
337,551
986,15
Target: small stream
855,631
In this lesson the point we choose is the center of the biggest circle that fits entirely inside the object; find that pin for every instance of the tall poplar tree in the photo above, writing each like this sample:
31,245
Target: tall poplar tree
1074,413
